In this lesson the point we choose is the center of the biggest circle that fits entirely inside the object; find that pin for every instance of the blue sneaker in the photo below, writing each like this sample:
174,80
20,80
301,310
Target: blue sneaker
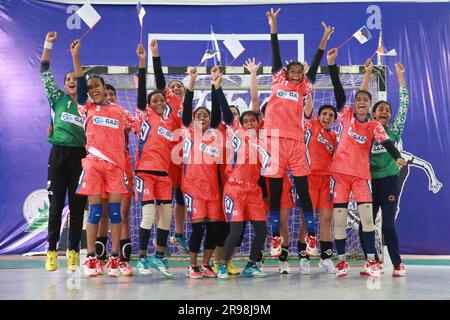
253,271
142,267
222,272
180,243
160,264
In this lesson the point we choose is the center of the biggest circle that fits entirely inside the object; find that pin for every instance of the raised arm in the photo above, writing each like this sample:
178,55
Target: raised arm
399,123
157,67
142,81
368,66
189,96
224,107
276,56
308,107
216,114
51,89
252,67
82,91
312,71
339,93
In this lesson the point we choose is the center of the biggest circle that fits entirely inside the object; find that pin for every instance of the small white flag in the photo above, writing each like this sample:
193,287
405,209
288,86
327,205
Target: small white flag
208,55
215,45
363,35
88,14
234,46
391,53
141,12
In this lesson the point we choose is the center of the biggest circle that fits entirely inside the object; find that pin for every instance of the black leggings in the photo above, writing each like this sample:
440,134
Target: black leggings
301,186
234,235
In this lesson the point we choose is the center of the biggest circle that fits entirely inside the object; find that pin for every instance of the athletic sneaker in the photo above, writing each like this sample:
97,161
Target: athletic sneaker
342,269
73,260
399,271
275,247
125,268
90,266
194,272
180,243
381,267
215,267
223,272
284,267
160,264
304,266
260,265
371,266
232,270
142,267
113,266
101,264
52,261
208,272
311,245
253,271
327,265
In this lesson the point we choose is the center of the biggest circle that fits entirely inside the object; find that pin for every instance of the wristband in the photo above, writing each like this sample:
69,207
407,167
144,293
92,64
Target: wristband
48,45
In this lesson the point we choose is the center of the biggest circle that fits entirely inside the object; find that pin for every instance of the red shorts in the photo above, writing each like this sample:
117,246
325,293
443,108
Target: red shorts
319,191
129,181
242,202
341,185
152,187
287,195
202,203
287,153
99,175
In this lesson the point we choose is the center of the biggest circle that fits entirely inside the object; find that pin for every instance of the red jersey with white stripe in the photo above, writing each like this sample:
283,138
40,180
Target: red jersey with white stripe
354,141
285,107
105,131
155,141
322,143
202,153
247,159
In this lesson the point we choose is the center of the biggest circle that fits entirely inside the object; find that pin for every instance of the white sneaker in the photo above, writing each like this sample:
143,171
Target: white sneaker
275,246
260,265
327,265
304,266
284,267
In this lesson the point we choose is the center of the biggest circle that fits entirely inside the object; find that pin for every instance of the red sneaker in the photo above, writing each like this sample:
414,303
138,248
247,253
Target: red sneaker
275,247
311,245
342,269
399,271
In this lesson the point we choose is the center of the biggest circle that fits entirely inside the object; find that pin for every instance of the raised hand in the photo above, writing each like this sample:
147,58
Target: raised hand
401,162
331,56
51,36
75,47
399,68
251,65
327,31
154,47
214,72
193,73
140,52
217,80
368,66
272,16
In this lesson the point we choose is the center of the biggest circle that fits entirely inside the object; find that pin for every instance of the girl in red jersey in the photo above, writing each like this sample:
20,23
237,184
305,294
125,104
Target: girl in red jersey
104,166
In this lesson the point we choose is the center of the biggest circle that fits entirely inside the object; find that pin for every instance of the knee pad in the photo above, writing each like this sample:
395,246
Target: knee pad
148,216
114,213
165,216
95,213
340,223
196,237
366,217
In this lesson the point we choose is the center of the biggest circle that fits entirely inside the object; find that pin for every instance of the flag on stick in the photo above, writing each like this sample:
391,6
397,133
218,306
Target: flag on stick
88,14
141,13
208,55
215,46
362,35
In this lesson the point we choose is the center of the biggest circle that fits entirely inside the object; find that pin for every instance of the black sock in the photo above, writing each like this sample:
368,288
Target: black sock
125,249
284,253
159,254
302,250
326,249
100,247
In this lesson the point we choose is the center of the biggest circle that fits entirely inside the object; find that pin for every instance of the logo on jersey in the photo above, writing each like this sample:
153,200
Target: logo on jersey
290,95
139,187
236,143
229,207
358,138
35,210
327,143
106,122
188,202
378,149
215,152
73,119
187,147
165,133
167,111
265,156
